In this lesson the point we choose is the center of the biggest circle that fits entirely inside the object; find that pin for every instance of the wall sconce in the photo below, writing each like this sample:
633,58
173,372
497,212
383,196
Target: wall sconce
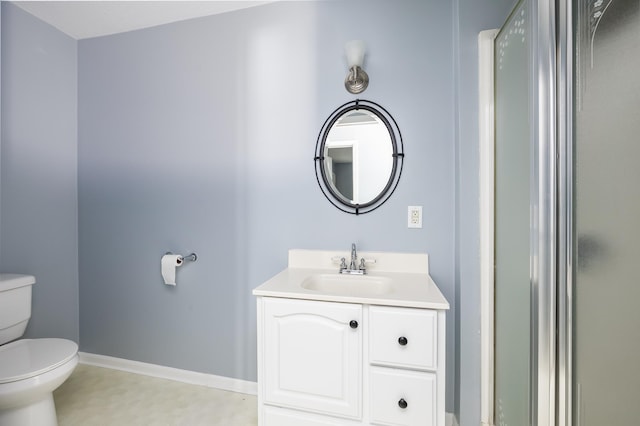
357,80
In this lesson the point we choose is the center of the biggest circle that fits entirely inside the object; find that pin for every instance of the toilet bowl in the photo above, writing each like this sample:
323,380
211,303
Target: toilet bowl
30,370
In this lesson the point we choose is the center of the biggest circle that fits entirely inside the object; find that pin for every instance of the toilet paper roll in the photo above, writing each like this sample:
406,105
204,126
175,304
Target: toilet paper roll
169,263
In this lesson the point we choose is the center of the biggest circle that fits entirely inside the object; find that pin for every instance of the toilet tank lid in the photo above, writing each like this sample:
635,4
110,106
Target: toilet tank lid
11,281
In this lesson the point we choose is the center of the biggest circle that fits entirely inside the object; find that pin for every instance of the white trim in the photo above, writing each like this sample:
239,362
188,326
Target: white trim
450,419
487,218
169,373
260,356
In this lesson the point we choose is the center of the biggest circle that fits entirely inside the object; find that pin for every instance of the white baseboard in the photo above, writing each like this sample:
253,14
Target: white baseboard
176,374
186,376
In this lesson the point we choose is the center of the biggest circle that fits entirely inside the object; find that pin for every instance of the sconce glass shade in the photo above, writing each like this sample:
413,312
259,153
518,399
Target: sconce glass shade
355,53
357,80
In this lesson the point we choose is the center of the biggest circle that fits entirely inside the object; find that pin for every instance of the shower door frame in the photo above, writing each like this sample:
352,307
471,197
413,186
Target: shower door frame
544,210
550,224
564,99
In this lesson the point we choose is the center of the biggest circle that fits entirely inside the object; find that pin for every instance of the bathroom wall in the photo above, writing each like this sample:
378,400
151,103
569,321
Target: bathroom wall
0,133
199,136
38,181
473,16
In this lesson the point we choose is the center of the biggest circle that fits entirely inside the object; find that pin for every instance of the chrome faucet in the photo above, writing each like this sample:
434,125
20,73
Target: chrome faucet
354,257
353,267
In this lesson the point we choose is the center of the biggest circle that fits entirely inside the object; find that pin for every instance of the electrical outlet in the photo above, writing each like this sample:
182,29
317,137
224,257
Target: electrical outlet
414,219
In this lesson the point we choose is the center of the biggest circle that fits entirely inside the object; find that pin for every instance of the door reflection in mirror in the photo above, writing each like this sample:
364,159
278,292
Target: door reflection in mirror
358,156
339,161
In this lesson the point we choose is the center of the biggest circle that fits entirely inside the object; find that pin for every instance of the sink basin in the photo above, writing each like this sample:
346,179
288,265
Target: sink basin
349,285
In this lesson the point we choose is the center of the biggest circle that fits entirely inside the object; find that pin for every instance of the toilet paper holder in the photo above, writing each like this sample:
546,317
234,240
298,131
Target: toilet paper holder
190,257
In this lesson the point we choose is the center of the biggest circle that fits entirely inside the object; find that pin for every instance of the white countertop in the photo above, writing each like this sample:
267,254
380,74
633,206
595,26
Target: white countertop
413,290
404,278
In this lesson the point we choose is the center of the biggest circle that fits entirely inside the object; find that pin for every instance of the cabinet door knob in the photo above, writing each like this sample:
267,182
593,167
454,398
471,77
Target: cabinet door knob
403,341
353,324
402,403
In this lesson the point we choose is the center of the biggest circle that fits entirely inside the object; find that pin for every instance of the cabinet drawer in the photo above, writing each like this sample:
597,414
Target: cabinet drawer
401,397
403,337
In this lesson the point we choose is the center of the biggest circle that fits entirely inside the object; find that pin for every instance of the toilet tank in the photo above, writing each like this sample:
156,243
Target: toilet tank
15,305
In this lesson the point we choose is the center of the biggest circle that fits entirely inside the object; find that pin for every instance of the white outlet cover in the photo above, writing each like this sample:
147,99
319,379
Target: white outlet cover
414,217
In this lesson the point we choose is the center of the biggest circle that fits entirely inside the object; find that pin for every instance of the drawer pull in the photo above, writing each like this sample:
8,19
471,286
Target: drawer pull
353,324
402,403
403,341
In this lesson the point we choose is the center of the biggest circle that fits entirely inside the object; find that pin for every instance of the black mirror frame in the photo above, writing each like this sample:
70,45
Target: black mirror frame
398,157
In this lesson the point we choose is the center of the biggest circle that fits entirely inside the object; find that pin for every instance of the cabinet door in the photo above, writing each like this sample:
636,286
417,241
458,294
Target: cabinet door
313,356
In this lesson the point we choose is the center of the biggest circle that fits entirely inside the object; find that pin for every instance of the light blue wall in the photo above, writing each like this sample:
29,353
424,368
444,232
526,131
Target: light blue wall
199,136
0,132
473,16
39,168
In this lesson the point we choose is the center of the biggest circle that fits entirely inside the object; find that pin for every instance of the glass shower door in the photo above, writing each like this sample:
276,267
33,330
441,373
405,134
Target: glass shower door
606,308
512,220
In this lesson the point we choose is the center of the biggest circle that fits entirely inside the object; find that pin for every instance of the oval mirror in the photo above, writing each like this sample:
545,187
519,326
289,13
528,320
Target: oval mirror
359,156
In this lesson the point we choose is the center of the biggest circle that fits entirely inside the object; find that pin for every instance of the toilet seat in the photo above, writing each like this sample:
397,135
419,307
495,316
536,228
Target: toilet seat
27,358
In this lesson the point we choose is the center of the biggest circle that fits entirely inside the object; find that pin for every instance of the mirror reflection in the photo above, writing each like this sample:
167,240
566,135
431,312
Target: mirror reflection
358,156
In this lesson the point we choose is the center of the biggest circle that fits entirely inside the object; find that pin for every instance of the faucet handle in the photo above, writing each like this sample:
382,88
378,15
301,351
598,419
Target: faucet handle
364,261
340,259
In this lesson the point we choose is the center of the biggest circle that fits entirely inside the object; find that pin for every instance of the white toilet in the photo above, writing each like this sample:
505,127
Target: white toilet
30,369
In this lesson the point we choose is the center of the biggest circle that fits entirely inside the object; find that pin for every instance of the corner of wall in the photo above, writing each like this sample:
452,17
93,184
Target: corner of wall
0,137
456,106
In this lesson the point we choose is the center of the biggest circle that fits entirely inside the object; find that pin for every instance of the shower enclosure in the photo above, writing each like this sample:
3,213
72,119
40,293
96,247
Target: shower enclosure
606,213
566,236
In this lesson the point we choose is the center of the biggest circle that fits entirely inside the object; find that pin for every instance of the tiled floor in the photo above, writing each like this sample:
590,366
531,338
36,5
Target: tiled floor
104,397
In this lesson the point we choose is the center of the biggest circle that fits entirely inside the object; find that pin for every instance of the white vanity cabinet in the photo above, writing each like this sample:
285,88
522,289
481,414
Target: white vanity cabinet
324,363
339,349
